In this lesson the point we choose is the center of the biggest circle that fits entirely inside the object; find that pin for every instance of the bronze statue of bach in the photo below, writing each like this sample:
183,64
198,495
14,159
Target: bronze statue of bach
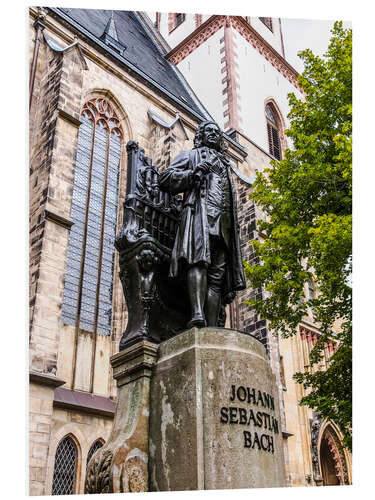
207,250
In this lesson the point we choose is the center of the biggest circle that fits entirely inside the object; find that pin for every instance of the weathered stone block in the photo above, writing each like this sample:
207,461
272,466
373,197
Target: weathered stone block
120,466
215,419
40,451
36,489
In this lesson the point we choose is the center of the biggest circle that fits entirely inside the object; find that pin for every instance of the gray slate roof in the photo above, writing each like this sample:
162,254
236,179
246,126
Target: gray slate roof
141,54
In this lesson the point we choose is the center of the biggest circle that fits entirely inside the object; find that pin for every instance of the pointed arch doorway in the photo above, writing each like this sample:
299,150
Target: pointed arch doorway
333,464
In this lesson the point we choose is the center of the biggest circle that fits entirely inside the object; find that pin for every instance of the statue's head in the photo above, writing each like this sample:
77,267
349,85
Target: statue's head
209,134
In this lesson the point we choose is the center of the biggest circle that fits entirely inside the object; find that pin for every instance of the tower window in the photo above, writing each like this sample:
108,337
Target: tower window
273,132
180,18
157,20
268,22
87,301
198,20
65,470
174,20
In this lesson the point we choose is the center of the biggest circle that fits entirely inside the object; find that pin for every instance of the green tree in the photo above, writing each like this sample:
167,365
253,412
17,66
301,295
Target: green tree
307,232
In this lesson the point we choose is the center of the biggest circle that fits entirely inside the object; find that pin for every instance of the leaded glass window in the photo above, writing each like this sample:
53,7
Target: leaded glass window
87,301
94,447
65,470
273,132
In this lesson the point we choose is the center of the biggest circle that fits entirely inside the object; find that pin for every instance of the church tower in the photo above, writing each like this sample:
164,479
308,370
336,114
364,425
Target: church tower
237,68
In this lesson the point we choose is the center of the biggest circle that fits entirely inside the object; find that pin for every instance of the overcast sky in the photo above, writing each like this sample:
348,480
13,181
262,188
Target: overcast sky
302,34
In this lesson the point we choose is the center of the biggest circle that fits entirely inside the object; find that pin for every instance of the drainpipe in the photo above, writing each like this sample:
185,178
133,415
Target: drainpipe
39,27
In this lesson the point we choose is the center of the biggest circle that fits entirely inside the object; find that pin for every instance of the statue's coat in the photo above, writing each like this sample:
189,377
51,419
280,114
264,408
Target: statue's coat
192,238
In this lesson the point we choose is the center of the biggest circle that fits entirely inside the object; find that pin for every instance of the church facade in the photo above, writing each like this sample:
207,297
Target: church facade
99,78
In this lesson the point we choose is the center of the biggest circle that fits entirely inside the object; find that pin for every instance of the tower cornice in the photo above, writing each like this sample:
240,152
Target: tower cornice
196,38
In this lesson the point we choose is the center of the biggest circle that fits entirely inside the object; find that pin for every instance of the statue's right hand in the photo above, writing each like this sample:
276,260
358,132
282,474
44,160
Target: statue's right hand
203,167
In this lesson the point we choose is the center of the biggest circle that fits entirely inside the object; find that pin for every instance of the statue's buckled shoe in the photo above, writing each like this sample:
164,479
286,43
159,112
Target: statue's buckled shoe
197,321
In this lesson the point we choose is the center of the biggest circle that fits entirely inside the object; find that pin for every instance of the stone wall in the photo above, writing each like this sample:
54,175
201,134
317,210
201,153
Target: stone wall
42,134
248,214
297,421
52,156
40,423
247,319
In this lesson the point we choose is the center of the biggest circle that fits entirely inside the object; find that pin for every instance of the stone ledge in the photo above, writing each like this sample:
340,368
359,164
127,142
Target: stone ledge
82,401
58,219
45,379
68,117
134,362
212,338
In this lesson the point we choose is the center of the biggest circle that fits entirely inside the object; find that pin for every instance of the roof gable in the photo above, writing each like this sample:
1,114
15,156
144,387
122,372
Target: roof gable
125,29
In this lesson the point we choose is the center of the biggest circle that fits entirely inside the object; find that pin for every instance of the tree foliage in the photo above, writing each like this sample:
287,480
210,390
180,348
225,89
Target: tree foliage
307,232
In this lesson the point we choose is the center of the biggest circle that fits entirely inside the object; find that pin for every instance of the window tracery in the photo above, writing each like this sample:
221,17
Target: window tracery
87,301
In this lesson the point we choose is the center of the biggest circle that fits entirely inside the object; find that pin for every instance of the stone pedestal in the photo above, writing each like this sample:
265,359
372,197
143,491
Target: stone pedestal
215,420
121,464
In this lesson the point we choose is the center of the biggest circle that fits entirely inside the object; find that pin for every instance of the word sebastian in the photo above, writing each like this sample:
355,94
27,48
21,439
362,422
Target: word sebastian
245,416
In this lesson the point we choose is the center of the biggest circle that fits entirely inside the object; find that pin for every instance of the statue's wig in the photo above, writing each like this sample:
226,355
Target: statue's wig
198,138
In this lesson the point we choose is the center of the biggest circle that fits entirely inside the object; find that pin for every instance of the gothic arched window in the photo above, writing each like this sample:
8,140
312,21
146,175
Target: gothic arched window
94,447
273,132
87,301
65,470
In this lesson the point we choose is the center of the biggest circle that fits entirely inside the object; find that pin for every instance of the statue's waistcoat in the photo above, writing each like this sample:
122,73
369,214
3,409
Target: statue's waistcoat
218,201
